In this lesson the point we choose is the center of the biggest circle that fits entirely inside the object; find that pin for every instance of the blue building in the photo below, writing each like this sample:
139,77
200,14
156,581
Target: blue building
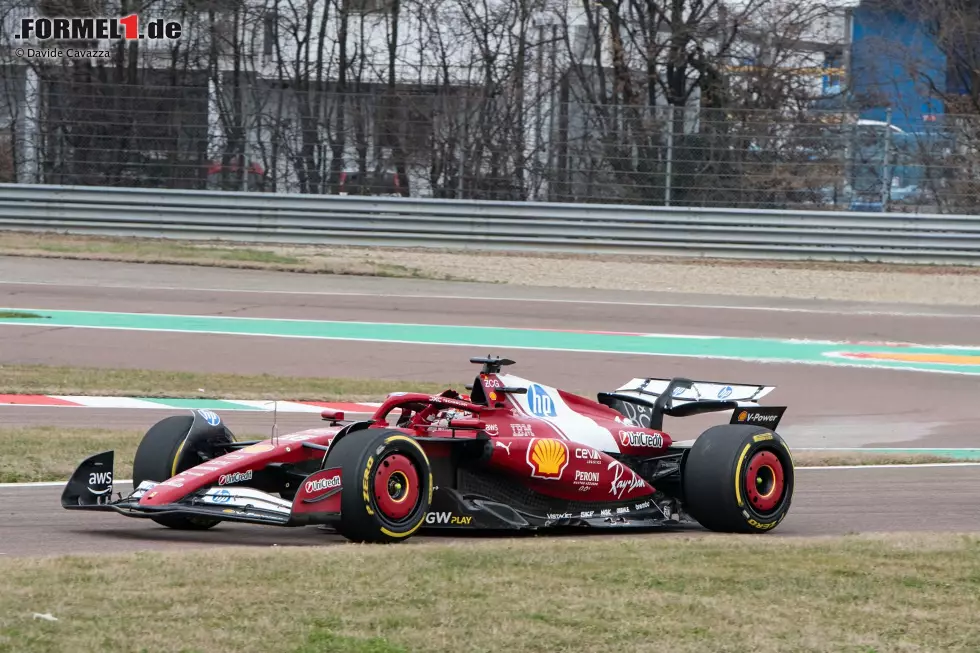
896,77
894,63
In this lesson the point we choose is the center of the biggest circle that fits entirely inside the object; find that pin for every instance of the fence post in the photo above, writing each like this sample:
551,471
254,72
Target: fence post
886,177
29,156
668,177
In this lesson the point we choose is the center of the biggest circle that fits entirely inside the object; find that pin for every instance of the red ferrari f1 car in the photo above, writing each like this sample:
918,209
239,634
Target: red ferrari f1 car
514,454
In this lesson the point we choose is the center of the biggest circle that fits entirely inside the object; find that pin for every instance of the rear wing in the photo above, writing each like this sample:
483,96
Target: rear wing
646,401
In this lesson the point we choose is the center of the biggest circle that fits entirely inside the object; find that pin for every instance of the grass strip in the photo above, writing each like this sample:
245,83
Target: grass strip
688,593
31,454
34,454
20,315
98,381
208,254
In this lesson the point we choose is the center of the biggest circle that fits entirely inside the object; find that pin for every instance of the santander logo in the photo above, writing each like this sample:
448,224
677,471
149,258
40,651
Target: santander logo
321,484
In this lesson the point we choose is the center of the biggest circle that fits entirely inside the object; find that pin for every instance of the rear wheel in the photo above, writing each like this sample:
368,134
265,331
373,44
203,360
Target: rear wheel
390,487
738,478
158,458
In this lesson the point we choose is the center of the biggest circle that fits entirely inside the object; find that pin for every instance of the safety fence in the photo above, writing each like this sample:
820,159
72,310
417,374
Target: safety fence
455,144
488,225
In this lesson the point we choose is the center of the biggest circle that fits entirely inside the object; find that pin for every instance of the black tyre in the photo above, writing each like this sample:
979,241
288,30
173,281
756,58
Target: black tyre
387,485
738,478
158,459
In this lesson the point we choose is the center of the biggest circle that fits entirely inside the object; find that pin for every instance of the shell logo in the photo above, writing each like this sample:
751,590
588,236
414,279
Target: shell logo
547,458
743,416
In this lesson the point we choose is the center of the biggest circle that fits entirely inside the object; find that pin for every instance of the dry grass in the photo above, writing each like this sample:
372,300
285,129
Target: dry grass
48,453
97,381
758,594
225,255
33,454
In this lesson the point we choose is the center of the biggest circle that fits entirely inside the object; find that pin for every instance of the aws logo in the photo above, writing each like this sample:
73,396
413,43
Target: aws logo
101,480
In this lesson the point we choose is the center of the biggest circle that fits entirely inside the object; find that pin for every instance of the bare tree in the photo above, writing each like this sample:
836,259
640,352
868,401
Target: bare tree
659,110
611,100
947,152
14,141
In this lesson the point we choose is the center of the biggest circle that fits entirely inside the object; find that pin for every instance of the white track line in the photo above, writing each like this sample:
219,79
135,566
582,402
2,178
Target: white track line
896,466
830,467
252,320
835,362
540,300
887,449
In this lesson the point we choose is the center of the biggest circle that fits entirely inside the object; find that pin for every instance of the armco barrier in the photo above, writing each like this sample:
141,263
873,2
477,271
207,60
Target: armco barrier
487,225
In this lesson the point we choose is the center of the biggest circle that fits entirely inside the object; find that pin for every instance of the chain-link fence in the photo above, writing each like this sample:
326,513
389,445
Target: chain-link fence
457,142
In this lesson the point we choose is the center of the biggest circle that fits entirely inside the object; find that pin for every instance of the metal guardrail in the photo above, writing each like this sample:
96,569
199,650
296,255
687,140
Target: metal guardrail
486,225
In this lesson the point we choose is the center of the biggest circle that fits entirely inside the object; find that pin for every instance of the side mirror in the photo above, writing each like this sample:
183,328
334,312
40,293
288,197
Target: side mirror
331,414
467,424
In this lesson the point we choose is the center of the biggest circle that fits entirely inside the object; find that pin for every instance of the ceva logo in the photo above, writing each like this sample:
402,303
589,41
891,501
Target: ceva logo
540,402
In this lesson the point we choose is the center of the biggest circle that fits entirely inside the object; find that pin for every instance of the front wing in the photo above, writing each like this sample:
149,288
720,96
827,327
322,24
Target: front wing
316,502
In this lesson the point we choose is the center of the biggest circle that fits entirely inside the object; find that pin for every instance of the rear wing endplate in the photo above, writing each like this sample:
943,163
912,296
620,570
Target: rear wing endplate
646,401
685,390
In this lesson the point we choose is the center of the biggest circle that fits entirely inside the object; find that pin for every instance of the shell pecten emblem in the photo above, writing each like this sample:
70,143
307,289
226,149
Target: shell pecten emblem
744,415
548,458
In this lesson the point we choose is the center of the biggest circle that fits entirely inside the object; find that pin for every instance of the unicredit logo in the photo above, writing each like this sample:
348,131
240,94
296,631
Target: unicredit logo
322,484
640,439
237,477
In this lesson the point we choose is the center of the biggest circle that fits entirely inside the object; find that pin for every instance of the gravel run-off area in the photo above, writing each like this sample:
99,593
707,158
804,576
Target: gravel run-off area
924,284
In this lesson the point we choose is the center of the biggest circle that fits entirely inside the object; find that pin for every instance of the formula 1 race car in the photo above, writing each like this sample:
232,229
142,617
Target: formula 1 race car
514,454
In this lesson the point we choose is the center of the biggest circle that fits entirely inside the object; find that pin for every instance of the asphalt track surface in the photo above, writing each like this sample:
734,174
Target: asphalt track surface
826,502
828,406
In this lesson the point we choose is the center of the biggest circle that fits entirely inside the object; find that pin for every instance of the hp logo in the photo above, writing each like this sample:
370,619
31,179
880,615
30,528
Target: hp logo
221,496
210,417
540,402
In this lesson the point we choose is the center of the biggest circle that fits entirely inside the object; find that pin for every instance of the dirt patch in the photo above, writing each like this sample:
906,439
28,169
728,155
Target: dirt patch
822,281
873,282
832,459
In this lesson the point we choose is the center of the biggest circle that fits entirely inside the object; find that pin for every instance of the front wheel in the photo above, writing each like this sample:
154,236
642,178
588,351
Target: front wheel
158,458
738,478
390,487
